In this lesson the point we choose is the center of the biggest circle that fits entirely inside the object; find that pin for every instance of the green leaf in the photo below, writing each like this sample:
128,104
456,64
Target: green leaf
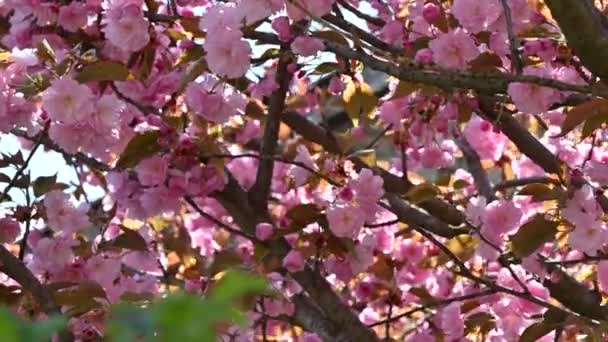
368,157
45,184
129,239
139,148
486,62
597,109
237,284
537,330
104,71
189,55
23,182
421,193
45,52
82,293
325,68
43,330
480,323
541,192
9,326
304,214
359,100
269,54
224,260
331,36
533,235
128,323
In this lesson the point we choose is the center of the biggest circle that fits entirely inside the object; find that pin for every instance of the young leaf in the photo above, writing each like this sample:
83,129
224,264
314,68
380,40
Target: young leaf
582,113
139,148
104,71
359,100
532,235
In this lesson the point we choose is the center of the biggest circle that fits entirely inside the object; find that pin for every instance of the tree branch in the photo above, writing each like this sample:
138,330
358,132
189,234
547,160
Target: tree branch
410,215
516,62
235,200
16,270
261,189
480,176
485,83
586,30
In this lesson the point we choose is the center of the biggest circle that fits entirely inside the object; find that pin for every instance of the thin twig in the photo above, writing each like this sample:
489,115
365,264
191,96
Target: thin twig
516,62
28,223
444,302
24,166
219,223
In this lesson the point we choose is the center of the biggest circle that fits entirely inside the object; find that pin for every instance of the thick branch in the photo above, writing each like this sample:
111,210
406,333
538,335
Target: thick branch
16,270
260,190
410,215
342,319
480,176
586,30
521,137
486,83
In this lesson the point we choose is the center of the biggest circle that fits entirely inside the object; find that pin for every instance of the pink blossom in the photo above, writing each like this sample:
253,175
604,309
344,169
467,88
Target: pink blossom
152,171
588,238
73,16
222,16
158,200
68,101
317,8
309,337
294,261
369,316
392,112
250,131
283,28
476,16
476,209
336,85
52,254
582,209
265,87
300,174
263,231
227,53
126,28
431,12
597,171
424,56
9,230
368,190
437,156
103,269
255,10
411,251
345,221
307,46
501,217
488,143
210,105
62,215
602,275
452,323
532,98
393,32
454,50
